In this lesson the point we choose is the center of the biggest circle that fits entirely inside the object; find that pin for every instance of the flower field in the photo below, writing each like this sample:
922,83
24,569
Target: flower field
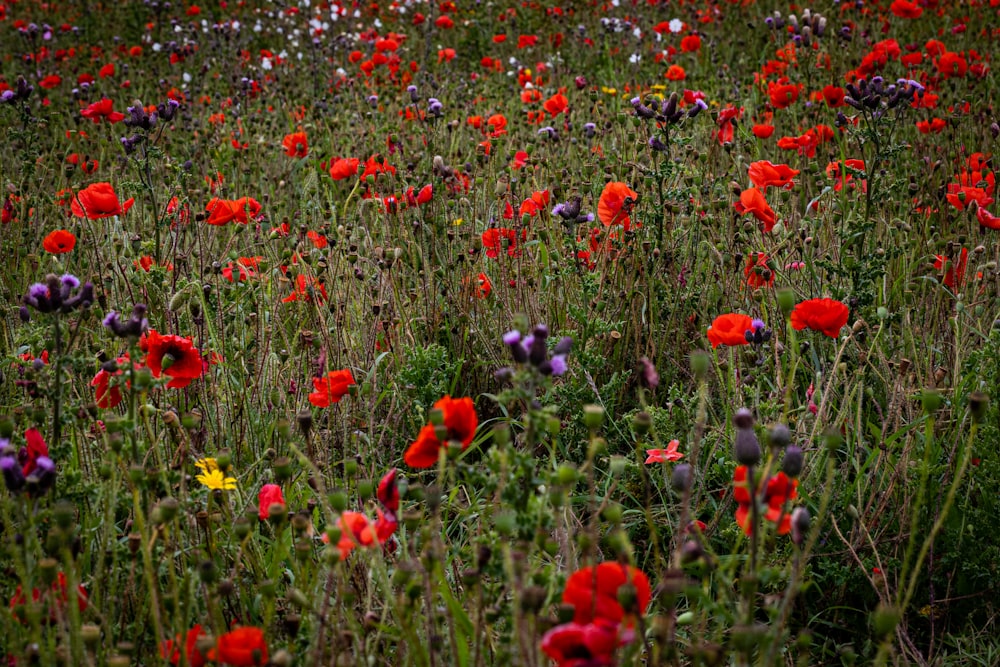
427,333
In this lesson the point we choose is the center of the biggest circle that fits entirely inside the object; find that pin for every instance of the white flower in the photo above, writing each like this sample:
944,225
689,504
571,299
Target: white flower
676,25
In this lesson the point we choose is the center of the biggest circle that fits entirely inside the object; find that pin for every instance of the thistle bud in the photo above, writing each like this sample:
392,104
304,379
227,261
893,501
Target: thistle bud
778,436
794,459
800,524
747,447
681,477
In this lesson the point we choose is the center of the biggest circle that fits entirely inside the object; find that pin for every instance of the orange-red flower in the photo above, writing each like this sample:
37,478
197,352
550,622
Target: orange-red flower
102,109
493,241
752,201
171,648
344,168
306,289
758,271
269,494
778,491
783,94
59,242
459,421
556,104
105,395
615,204
840,171
987,219
593,593
954,272
332,388
959,196
906,10
98,201
173,356
296,144
576,645
729,329
224,211
763,174
243,647
826,315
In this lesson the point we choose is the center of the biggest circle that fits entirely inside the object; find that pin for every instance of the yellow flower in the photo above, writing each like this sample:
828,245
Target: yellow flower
212,477
457,222
609,91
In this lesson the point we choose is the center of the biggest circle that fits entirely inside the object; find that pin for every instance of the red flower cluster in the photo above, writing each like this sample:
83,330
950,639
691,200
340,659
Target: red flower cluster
600,623
774,493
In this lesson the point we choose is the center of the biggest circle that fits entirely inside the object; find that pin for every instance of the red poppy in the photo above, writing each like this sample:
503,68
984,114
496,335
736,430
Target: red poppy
98,201
356,530
344,168
906,10
826,315
483,286
691,43
306,289
763,174
459,421
50,82
296,144
332,388
374,168
783,95
224,211
57,598
107,396
932,126
34,449
726,122
494,238
173,356
959,196
987,219
752,201
593,593
59,242
758,271
581,645
834,96
497,124
729,329
270,494
954,272
843,175
171,648
615,204
243,647
762,131
388,492
241,270
952,64
675,73
102,109
777,492
556,104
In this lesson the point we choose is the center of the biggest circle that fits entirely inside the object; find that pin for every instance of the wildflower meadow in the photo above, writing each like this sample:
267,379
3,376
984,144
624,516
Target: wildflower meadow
435,333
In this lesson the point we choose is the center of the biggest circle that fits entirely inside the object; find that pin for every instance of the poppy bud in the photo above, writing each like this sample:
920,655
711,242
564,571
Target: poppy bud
699,363
979,403
747,447
778,436
641,423
593,416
